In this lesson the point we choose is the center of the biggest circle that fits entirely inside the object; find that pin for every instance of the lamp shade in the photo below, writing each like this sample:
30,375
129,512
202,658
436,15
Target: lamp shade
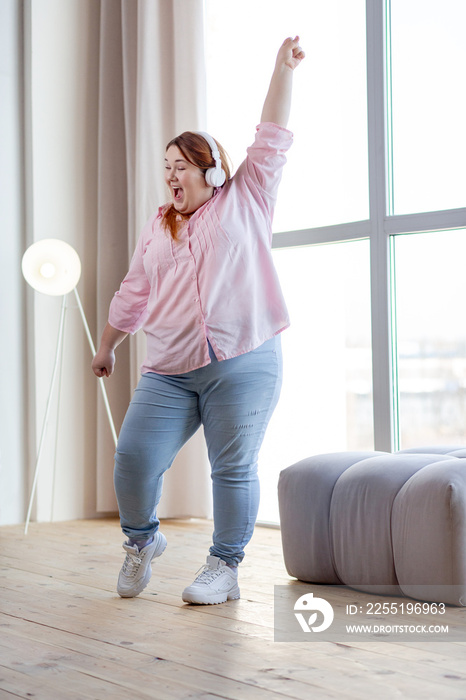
51,266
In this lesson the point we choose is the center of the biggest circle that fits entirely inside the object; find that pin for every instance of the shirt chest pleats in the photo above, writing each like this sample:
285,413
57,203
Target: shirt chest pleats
171,269
200,243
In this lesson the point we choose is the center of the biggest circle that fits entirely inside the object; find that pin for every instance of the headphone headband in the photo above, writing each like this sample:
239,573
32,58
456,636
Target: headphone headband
215,177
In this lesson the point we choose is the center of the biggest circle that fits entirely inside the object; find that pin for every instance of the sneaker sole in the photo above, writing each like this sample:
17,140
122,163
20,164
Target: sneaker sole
211,599
144,581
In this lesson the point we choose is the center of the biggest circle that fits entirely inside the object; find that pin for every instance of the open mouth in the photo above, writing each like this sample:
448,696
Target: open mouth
177,193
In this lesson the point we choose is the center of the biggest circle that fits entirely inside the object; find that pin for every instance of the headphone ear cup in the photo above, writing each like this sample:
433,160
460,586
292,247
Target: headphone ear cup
215,177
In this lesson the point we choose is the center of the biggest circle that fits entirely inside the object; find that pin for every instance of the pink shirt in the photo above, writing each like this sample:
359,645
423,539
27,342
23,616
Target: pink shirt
218,282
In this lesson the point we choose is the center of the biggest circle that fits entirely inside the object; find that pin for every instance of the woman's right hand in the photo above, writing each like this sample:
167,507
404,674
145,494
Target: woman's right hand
103,363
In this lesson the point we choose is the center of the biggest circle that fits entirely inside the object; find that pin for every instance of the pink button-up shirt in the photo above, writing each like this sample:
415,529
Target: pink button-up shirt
218,282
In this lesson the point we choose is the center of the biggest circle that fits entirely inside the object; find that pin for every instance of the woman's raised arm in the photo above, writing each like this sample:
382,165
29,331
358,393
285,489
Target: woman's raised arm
278,101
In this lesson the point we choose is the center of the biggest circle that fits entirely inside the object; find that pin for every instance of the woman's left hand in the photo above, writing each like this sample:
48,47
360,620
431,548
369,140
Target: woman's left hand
290,53
278,100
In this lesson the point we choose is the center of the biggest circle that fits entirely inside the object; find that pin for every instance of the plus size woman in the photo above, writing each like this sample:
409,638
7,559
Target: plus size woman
202,286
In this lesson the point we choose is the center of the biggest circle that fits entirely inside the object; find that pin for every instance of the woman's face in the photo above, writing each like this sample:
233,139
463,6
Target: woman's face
186,182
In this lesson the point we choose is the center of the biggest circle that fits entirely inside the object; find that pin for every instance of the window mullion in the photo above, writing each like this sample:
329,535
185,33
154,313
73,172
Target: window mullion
382,364
446,220
352,231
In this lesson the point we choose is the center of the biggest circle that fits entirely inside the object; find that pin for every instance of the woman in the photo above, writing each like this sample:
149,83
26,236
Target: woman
202,286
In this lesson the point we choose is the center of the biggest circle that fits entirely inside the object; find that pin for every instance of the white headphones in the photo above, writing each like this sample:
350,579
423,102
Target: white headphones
215,177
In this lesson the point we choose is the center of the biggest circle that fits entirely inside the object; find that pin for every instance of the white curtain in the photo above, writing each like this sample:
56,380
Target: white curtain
105,84
152,87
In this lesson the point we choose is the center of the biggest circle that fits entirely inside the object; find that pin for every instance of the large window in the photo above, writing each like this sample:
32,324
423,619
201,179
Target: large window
370,227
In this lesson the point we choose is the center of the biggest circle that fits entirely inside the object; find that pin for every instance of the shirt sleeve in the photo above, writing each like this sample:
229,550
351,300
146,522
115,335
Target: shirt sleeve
265,159
128,308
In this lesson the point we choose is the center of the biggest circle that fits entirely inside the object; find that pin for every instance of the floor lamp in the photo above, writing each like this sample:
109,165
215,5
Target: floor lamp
53,267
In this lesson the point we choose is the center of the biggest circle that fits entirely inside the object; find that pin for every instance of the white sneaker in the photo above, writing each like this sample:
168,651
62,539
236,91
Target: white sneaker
136,570
216,583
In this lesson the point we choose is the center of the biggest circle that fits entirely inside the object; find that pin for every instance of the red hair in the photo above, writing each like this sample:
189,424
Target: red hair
197,151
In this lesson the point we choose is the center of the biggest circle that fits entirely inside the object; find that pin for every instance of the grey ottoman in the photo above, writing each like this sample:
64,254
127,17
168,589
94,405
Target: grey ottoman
388,523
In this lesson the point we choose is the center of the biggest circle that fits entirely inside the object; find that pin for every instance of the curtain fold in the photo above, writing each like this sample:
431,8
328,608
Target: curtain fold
151,87
112,230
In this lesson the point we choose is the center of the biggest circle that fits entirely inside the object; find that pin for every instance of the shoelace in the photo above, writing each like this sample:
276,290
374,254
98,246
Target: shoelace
207,575
131,564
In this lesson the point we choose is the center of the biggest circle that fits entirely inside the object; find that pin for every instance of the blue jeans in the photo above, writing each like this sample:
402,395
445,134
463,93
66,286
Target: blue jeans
233,400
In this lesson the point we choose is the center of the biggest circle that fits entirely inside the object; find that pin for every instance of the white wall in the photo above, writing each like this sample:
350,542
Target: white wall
12,347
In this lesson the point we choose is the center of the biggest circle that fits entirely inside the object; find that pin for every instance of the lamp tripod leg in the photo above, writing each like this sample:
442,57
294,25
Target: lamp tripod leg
101,381
47,409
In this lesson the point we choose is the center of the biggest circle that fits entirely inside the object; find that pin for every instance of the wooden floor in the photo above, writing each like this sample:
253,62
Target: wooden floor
65,633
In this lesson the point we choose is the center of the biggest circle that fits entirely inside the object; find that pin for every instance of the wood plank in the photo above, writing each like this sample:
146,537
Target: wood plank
172,678
197,649
308,678
68,631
